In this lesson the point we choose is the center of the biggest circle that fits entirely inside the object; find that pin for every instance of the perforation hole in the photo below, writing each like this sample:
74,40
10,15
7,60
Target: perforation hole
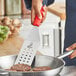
21,57
26,55
18,62
28,58
29,55
27,61
23,60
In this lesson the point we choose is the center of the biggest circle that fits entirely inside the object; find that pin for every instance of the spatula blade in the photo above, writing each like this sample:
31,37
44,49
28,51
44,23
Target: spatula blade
29,48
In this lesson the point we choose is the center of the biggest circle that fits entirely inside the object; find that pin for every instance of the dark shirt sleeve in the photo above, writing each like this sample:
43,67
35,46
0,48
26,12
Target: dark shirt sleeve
70,29
28,4
49,2
45,2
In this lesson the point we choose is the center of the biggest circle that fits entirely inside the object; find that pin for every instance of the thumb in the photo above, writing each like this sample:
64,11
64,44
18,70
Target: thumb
38,13
38,10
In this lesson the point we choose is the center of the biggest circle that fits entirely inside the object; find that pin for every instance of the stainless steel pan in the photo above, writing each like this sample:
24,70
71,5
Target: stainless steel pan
56,63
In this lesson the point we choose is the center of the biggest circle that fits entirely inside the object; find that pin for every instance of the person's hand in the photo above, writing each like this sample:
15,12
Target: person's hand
25,11
36,7
72,47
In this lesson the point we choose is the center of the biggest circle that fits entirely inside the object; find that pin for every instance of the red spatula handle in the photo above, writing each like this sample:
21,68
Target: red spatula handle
37,20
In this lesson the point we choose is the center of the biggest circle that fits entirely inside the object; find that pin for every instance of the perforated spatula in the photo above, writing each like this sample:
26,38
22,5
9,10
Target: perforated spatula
30,46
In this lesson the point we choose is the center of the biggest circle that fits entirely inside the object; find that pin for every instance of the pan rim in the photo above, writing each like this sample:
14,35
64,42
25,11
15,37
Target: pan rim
3,70
34,71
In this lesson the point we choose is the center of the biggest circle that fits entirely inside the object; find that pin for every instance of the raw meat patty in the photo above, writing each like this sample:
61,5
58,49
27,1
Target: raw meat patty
44,68
21,67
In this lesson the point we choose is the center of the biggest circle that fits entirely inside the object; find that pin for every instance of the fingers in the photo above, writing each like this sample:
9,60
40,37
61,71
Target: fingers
73,55
72,47
36,7
44,13
28,12
23,7
35,11
38,12
32,15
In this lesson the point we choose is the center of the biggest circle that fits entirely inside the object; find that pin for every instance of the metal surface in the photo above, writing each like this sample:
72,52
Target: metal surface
29,48
4,73
65,54
68,71
56,65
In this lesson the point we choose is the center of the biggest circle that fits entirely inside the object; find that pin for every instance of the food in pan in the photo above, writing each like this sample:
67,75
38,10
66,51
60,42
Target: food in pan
20,67
26,68
43,68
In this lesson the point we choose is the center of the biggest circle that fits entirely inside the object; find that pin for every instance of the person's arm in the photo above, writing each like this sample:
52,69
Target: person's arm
36,7
72,47
24,9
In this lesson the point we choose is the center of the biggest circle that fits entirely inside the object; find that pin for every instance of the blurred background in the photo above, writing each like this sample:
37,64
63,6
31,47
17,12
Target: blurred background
15,15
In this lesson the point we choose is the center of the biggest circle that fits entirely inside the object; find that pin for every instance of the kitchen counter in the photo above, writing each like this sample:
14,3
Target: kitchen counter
68,71
13,44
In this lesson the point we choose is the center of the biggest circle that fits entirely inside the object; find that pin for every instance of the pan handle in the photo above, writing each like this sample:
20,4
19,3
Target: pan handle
65,54
4,73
